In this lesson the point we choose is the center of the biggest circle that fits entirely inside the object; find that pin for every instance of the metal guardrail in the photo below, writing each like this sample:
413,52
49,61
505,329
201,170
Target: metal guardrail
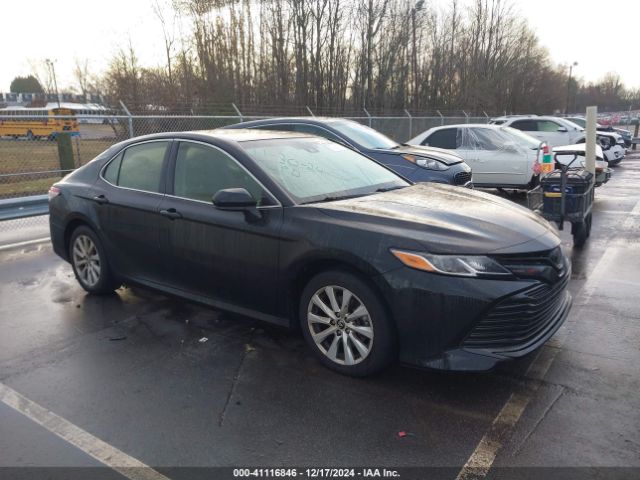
23,207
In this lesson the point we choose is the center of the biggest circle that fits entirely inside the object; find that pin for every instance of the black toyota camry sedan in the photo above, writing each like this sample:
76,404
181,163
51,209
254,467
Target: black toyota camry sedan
303,232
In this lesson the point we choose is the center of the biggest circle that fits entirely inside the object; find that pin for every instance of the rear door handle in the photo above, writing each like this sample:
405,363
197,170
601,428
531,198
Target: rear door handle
101,199
171,213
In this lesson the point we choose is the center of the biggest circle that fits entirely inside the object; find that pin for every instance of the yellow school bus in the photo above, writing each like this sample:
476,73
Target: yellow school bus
36,123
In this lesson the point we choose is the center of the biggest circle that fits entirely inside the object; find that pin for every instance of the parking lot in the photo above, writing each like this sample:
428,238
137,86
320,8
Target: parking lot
146,377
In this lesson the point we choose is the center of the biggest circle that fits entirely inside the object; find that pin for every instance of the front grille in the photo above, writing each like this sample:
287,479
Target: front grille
519,319
547,266
461,178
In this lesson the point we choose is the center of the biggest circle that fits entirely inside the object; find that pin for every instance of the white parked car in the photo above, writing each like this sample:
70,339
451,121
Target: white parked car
499,156
574,155
555,131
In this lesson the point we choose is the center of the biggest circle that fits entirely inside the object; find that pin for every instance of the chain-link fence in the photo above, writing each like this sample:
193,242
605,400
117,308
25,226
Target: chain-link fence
32,156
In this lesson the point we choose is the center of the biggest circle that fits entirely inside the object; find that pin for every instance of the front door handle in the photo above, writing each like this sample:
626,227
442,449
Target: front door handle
171,213
101,199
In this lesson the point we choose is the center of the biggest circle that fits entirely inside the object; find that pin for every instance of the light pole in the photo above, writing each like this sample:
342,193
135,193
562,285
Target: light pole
574,64
52,70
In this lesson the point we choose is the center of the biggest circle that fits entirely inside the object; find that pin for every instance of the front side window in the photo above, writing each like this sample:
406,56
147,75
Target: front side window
547,126
201,171
445,138
479,139
141,167
314,169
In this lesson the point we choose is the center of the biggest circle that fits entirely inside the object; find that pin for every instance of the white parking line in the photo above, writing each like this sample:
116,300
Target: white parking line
482,458
23,244
89,444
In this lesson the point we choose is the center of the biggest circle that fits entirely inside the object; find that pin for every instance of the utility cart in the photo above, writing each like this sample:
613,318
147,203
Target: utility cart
566,194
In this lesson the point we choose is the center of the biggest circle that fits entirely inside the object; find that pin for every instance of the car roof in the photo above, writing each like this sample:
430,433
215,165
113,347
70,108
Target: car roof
513,117
276,120
237,136
467,125
217,136
247,135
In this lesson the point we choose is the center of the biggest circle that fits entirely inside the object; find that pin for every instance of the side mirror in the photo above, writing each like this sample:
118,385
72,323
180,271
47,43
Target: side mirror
562,129
509,147
234,199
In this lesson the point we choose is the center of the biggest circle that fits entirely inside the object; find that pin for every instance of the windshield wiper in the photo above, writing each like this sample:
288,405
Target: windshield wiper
388,189
333,198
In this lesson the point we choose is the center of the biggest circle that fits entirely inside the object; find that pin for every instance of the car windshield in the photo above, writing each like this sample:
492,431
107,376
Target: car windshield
363,135
578,121
521,137
581,122
316,169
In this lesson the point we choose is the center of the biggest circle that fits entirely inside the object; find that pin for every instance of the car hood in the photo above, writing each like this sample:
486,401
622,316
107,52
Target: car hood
565,153
445,219
444,156
613,135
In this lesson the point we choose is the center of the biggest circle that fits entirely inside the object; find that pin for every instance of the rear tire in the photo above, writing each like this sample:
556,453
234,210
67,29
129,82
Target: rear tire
346,325
580,233
89,261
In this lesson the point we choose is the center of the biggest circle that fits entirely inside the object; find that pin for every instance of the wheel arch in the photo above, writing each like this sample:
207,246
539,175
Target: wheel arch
72,223
305,271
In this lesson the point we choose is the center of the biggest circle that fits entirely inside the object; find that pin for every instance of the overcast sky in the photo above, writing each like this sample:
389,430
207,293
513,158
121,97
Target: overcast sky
601,36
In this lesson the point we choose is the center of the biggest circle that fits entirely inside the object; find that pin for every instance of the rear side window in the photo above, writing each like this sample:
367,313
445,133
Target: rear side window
445,138
141,166
525,125
113,170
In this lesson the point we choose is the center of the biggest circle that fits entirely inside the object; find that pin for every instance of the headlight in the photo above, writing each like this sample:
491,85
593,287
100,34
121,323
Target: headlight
459,265
428,163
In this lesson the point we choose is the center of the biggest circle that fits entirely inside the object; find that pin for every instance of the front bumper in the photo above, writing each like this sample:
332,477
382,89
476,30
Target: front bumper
470,324
486,357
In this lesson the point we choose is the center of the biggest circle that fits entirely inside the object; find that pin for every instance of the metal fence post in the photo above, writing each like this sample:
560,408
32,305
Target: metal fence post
238,112
126,110
466,116
309,110
441,117
410,123
369,116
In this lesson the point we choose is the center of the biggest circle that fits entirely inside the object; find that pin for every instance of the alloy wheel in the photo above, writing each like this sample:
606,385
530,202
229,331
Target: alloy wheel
340,325
86,259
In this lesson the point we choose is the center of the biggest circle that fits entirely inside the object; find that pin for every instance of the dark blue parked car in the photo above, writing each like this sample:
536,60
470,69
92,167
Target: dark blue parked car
415,163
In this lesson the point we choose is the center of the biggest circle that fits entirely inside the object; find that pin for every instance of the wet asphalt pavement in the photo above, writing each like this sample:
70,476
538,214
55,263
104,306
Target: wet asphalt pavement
172,383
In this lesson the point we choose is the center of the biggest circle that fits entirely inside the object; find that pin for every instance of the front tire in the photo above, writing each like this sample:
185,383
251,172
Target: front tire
89,261
346,325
